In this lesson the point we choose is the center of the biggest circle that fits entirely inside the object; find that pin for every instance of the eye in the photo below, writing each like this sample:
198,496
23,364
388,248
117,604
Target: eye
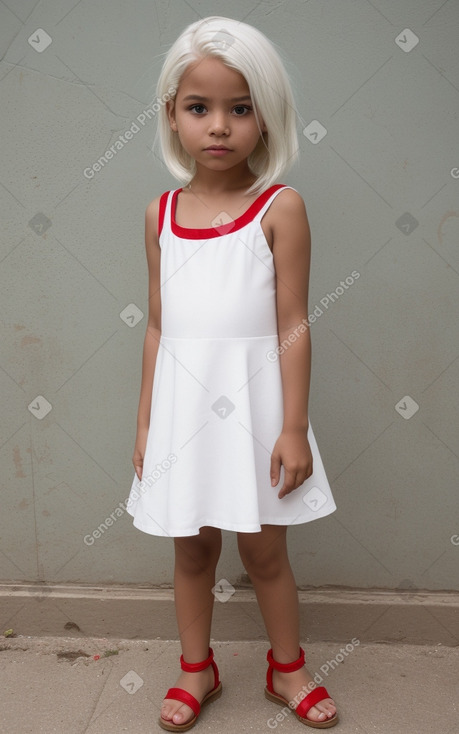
243,107
193,106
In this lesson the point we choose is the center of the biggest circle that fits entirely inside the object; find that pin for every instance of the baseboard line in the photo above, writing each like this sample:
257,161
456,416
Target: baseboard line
139,612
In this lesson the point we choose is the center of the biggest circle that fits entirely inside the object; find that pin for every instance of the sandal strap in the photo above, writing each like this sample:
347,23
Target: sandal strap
179,694
197,667
316,695
286,667
281,667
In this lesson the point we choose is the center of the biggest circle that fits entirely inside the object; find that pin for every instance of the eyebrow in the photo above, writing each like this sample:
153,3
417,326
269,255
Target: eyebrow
206,99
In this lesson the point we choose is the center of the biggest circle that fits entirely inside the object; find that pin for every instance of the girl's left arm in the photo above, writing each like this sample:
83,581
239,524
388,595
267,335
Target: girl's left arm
292,256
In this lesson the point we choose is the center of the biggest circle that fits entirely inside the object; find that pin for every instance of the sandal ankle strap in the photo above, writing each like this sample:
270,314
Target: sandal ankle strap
286,667
281,667
197,667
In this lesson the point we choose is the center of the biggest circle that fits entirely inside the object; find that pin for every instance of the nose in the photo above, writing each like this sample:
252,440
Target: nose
218,124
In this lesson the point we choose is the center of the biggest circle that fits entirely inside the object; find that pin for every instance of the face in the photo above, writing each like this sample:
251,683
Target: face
213,108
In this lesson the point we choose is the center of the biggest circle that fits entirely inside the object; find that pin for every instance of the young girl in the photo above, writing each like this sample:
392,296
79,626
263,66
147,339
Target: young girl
224,422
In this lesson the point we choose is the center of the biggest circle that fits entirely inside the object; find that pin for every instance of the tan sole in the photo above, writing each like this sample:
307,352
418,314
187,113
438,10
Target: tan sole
169,726
281,701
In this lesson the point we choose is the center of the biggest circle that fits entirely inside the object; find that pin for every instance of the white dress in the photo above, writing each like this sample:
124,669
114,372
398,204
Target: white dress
217,408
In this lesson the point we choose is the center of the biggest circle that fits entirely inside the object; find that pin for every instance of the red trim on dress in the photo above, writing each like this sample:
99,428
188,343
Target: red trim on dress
162,211
242,221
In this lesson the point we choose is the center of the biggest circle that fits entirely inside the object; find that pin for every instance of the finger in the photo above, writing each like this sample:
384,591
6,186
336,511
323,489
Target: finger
275,469
138,470
301,476
305,474
289,483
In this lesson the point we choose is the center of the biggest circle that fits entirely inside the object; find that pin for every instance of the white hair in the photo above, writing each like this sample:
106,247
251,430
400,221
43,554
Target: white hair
248,51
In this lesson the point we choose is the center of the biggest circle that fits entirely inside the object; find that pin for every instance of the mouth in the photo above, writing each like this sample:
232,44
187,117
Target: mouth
217,147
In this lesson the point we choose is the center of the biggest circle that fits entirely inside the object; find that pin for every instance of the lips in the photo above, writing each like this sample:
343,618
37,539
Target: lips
217,147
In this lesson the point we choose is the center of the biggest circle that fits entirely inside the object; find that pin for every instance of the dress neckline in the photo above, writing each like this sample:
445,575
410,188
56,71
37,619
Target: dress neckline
222,229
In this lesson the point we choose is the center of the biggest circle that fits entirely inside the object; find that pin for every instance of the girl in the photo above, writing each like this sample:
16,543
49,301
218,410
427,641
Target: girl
225,419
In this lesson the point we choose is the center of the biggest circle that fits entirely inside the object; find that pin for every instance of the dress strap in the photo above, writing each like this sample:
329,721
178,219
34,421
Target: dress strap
164,214
280,187
162,211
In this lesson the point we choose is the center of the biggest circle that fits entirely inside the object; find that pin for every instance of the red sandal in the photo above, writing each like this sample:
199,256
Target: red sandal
316,695
179,694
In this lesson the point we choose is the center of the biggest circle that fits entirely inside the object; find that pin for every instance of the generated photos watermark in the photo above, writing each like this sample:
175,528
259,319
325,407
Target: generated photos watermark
317,680
122,140
135,494
223,590
303,326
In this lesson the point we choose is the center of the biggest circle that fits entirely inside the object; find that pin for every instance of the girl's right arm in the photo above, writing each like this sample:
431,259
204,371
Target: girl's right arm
153,333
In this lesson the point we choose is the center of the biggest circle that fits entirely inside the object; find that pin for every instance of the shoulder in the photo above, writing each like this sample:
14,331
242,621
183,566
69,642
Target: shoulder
154,207
287,212
291,234
152,210
289,203
154,213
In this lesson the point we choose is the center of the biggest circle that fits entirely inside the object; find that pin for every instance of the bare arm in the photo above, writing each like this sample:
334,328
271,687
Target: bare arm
292,254
153,332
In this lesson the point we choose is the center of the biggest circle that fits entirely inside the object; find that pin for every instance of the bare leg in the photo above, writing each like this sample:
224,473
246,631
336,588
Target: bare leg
196,559
265,558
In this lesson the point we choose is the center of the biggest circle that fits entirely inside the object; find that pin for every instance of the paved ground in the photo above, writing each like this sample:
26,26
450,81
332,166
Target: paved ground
52,684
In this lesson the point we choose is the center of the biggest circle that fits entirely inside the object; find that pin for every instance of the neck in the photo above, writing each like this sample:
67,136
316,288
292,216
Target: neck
215,183
196,188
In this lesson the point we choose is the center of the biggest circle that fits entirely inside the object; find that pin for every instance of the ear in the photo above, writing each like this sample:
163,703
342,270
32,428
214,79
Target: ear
170,109
263,127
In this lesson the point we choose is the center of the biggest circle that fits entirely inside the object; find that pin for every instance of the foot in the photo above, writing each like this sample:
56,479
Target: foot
198,684
289,685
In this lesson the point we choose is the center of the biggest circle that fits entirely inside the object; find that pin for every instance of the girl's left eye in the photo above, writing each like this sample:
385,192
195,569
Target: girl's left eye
242,107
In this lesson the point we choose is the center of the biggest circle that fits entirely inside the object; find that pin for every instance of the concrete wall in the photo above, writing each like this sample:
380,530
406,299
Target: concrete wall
381,189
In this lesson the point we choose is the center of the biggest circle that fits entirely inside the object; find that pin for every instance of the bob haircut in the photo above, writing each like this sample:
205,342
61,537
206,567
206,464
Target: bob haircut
248,51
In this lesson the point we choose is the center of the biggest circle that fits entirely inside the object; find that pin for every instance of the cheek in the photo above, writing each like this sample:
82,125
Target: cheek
252,132
191,123
183,124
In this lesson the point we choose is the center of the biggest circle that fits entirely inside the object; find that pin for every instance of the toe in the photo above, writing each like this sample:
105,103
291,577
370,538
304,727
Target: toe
183,715
322,711
180,714
329,707
166,711
173,711
167,715
315,715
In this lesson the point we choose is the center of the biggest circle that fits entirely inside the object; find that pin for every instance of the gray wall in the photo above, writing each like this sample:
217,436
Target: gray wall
381,189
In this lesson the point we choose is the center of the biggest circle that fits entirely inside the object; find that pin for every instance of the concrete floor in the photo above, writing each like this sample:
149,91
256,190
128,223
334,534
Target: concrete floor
54,684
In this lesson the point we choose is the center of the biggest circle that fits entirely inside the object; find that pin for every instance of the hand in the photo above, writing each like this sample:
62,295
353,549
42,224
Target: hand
293,451
139,450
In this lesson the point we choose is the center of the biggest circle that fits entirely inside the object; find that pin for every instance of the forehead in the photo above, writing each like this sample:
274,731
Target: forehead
210,76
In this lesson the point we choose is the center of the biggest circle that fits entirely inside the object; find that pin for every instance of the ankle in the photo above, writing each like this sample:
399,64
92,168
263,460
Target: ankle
196,658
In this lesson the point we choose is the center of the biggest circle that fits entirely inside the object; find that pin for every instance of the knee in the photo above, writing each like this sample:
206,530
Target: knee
194,558
264,567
